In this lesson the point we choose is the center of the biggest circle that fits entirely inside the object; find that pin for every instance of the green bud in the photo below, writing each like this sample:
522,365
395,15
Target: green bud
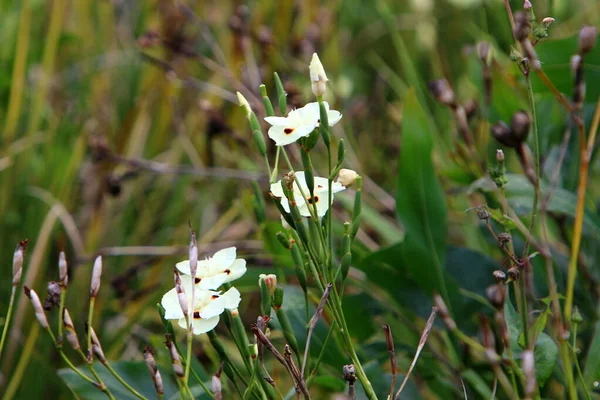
265,298
308,171
298,222
341,152
266,101
281,94
576,317
540,32
278,298
283,239
515,55
324,125
259,203
356,213
345,267
298,265
309,142
286,327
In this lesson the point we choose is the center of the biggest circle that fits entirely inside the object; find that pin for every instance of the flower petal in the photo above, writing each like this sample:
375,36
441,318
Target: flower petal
237,269
284,135
211,282
282,121
223,258
218,303
183,267
333,117
201,325
170,303
276,189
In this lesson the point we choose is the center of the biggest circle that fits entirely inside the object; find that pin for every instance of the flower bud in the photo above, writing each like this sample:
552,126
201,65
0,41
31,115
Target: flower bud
527,5
441,90
519,125
515,55
37,306
483,213
504,237
18,262
547,21
283,239
156,377
244,103
97,347
318,78
63,273
270,282
484,52
175,359
576,316
193,254
587,39
183,301
277,298
70,330
499,155
96,277
347,177
349,373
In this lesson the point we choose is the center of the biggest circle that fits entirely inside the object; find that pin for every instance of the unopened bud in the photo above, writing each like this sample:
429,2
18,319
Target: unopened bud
499,276
576,316
441,90
175,359
63,273
70,332
277,298
548,21
519,125
318,78
347,177
96,277
587,39
244,103
37,306
183,301
287,184
496,294
522,26
515,55
217,388
499,155
97,347
527,4
349,373
156,377
18,263
504,237
283,239
270,282
193,254
483,213
484,52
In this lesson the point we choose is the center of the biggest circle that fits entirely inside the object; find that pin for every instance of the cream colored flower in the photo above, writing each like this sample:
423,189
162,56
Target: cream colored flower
318,78
299,123
347,177
321,194
208,305
221,268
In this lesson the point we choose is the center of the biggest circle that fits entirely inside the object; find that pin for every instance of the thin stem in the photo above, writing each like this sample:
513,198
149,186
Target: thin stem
190,337
8,317
61,310
123,382
89,327
574,354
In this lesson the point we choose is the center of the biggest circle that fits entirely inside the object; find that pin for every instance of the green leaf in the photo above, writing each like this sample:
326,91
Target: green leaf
502,219
555,56
545,354
519,193
591,370
420,203
134,373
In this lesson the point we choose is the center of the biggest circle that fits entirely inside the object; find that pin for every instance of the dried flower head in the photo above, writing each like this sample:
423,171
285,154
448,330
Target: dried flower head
63,273
441,90
496,294
96,277
499,276
18,262
37,306
519,125
349,373
53,298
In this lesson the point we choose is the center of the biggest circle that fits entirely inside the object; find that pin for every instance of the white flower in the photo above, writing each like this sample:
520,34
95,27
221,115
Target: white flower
221,268
318,78
347,177
299,123
321,194
208,305
270,281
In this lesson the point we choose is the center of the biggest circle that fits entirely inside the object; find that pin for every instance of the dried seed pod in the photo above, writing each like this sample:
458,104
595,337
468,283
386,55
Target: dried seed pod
175,359
484,52
441,90
156,377
519,125
499,276
513,274
502,133
37,306
443,311
70,332
504,237
483,214
97,347
183,301
63,273
53,298
349,373
496,295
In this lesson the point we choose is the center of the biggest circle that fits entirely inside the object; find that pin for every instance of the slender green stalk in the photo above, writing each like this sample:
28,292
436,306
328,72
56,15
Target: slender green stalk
123,382
61,309
8,317
188,356
89,327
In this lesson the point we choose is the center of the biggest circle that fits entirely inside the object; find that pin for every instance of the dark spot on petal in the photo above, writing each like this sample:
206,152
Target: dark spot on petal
197,280
227,271
288,131
319,121
320,186
197,315
312,200
215,296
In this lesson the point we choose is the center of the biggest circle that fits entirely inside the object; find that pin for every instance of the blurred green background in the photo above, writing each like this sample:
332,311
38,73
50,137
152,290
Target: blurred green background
119,124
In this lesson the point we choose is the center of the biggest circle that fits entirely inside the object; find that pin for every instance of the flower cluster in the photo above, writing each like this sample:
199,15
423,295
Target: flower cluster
209,303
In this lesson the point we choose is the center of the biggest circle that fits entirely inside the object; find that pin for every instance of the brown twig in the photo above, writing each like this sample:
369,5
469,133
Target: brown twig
313,323
390,346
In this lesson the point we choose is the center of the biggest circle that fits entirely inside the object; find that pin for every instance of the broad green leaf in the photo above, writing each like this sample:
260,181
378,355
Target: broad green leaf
555,56
591,369
545,354
519,193
134,373
420,203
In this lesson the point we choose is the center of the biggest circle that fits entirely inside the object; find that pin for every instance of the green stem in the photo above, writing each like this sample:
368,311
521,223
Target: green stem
122,381
188,356
8,317
522,298
89,326
61,309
